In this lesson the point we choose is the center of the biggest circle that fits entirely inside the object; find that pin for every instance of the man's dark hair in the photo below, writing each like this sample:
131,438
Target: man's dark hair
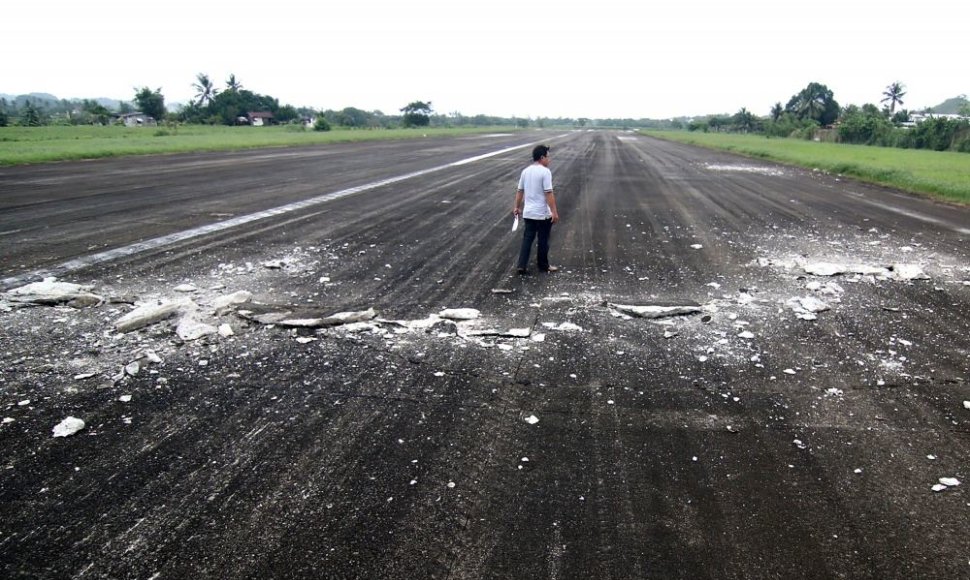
539,152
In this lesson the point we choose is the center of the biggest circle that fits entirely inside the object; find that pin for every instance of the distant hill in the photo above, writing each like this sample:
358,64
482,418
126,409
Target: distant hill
47,100
35,98
951,106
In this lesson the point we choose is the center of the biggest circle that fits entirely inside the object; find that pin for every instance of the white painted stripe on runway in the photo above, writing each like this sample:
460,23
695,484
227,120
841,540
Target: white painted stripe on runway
155,243
918,216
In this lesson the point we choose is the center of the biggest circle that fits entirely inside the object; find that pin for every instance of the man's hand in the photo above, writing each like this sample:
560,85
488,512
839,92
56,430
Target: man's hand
515,211
555,217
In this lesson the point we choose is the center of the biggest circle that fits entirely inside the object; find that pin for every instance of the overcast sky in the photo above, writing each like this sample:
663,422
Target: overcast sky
562,58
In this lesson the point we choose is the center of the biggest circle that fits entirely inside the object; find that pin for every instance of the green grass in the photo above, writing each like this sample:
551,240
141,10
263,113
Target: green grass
942,175
28,145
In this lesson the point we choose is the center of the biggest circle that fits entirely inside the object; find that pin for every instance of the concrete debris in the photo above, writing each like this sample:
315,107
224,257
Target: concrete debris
225,330
564,326
186,288
442,327
908,272
274,264
655,311
510,333
531,419
133,368
332,320
949,481
829,288
68,427
902,272
51,292
746,334
151,355
189,328
223,303
460,313
966,405
266,317
147,314
807,307
501,291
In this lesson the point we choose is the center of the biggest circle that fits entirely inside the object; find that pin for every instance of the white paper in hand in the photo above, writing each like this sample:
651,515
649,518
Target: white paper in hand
515,223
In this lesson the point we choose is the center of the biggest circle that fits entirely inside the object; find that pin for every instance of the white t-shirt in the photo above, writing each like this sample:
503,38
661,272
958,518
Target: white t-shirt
535,181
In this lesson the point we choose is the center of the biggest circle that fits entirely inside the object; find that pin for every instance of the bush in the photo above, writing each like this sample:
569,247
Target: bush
321,124
864,129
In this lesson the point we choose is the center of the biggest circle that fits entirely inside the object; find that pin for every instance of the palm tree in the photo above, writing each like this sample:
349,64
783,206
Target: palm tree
776,112
205,90
813,102
744,120
894,93
232,85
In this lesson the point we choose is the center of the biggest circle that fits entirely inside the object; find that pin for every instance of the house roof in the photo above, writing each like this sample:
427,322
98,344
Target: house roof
259,115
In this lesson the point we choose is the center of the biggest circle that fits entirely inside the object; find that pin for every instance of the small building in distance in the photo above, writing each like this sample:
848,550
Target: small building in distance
135,119
259,118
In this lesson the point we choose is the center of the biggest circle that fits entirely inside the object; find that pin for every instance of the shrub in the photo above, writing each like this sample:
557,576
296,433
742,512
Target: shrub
321,124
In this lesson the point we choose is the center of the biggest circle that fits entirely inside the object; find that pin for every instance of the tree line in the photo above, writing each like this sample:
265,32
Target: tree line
813,113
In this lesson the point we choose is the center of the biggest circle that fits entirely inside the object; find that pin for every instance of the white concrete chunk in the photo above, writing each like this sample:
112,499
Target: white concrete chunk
460,313
332,320
655,311
223,302
68,427
146,314
189,328
50,291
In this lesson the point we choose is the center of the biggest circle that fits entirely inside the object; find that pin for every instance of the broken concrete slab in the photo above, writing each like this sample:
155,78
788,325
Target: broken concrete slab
901,271
563,326
807,307
191,328
332,320
50,292
653,311
223,303
906,272
68,427
148,314
460,313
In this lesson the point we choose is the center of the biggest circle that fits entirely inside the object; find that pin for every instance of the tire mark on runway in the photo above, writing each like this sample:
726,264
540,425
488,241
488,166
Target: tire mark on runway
162,241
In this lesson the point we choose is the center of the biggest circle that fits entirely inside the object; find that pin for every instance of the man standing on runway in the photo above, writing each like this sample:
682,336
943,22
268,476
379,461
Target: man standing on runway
539,211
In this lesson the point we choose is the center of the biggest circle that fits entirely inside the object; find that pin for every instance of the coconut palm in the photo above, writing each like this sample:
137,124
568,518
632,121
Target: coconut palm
776,112
205,90
233,85
894,93
744,120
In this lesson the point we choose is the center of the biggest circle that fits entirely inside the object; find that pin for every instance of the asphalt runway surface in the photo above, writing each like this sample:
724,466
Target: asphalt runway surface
742,370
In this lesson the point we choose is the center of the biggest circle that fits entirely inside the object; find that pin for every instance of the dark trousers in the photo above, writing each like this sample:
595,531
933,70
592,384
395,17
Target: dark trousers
534,228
